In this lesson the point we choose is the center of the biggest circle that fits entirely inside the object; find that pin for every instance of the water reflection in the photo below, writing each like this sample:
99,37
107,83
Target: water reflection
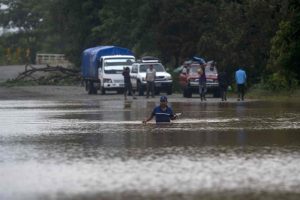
74,149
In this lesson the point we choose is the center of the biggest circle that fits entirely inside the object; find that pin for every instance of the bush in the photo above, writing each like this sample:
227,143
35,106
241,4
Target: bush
175,77
278,81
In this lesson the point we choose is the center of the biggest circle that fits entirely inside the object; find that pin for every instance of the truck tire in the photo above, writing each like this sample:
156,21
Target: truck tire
90,87
102,90
187,92
86,85
169,91
216,93
156,91
95,90
121,91
140,89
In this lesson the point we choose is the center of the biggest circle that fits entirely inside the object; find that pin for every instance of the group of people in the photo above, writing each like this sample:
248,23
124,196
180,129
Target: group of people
163,113
240,78
150,78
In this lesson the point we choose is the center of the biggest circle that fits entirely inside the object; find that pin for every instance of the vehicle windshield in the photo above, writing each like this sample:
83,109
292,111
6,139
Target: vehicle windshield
116,65
210,69
157,66
194,69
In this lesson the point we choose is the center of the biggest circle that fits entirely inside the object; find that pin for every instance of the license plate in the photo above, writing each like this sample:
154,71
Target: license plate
157,84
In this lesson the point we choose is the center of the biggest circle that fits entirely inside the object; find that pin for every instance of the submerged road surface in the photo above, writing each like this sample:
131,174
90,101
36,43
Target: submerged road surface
93,149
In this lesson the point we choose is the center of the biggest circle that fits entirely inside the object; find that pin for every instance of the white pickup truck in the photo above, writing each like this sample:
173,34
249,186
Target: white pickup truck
163,80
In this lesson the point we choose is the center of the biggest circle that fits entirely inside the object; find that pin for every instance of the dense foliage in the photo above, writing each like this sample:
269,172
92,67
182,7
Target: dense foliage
262,36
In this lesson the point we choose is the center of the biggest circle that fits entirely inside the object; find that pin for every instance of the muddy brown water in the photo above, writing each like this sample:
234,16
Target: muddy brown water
97,149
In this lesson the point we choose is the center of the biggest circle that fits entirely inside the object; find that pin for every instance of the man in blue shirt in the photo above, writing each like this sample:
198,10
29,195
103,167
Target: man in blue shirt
240,78
162,113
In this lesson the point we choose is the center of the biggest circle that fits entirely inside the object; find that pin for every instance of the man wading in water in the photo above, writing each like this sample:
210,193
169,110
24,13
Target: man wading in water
162,113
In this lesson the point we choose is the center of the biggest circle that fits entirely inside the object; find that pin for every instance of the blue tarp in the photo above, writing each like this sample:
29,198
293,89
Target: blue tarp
91,56
199,60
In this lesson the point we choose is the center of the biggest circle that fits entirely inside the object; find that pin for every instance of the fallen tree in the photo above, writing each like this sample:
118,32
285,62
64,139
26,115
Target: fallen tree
49,74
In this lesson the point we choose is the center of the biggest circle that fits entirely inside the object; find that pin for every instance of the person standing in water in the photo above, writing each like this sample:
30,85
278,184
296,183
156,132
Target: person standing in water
150,78
162,113
127,83
202,83
240,78
223,84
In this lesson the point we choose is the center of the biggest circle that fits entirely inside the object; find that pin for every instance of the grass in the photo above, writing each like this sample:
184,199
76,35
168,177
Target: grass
284,95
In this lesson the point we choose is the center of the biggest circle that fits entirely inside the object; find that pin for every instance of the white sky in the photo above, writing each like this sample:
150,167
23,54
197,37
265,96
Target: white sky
3,7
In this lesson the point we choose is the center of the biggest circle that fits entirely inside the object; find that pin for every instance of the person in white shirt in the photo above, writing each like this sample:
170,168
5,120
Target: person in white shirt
150,78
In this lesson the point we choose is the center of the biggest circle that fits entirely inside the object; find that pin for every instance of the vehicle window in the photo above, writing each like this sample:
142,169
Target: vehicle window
134,69
210,69
157,66
116,65
194,69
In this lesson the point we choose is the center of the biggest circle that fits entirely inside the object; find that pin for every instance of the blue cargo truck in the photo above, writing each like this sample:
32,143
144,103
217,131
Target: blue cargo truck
102,67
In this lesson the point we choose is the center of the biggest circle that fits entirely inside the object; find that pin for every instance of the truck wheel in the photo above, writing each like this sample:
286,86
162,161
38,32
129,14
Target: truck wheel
169,91
140,89
216,94
86,84
102,90
95,90
120,91
184,93
187,93
190,94
157,91
90,87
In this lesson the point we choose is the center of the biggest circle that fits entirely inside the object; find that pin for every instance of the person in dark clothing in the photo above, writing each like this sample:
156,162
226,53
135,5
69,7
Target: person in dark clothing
202,83
223,84
127,83
163,113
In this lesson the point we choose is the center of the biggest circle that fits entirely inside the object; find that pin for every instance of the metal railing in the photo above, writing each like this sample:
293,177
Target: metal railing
52,59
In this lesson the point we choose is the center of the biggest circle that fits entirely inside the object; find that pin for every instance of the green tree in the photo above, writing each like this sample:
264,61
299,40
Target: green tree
69,26
25,17
285,52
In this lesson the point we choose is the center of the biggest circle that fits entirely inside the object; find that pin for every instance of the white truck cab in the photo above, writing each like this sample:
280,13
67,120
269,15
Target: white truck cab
110,72
163,80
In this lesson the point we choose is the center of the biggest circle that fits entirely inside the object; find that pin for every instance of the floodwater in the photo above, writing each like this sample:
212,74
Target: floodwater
93,149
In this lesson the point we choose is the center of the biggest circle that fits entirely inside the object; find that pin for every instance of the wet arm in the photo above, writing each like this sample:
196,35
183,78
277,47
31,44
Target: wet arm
148,119
173,116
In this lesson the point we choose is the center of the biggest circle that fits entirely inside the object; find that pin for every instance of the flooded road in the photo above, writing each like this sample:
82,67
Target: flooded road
96,149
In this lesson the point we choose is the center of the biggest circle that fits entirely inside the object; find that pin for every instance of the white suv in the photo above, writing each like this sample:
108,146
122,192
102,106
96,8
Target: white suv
163,80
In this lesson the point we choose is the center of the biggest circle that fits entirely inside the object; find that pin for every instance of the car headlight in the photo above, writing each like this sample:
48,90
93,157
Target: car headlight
107,80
